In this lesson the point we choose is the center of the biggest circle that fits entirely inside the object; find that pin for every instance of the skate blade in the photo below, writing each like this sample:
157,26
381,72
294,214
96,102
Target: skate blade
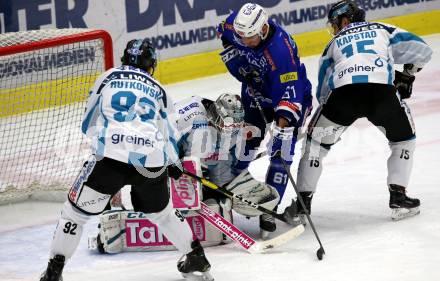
403,213
200,276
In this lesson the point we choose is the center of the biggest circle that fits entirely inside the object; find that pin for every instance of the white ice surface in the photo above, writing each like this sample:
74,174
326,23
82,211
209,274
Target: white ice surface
350,211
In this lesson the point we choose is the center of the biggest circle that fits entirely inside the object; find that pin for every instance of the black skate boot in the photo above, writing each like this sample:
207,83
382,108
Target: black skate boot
54,269
267,225
195,262
401,205
307,199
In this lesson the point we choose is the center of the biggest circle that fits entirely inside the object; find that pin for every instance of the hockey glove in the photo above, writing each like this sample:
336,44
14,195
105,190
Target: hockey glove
250,75
175,171
283,142
404,83
411,69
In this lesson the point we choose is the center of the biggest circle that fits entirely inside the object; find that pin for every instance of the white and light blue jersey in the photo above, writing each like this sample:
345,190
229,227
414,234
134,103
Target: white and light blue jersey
217,152
130,118
192,123
366,53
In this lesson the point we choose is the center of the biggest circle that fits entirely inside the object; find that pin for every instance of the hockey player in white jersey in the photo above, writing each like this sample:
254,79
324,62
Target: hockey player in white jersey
214,131
356,75
131,123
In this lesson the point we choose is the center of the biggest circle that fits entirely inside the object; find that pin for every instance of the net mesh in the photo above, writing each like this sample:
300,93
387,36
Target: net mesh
42,99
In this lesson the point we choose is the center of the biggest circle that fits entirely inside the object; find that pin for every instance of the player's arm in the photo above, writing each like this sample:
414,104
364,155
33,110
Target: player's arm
324,71
287,88
408,49
411,51
231,55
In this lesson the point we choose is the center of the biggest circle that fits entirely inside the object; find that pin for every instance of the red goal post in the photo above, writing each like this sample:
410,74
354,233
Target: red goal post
45,78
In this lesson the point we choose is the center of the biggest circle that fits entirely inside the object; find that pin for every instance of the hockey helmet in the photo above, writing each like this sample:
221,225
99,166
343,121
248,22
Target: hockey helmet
341,9
226,113
140,53
250,20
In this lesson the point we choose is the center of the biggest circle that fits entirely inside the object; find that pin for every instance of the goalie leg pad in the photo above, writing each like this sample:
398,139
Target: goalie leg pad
68,231
250,189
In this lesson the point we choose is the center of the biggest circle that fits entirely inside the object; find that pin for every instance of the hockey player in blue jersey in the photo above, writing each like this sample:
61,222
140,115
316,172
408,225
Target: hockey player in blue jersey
264,57
131,123
356,76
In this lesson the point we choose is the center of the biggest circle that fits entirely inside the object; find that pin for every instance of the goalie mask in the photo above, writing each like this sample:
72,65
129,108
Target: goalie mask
141,54
226,113
342,9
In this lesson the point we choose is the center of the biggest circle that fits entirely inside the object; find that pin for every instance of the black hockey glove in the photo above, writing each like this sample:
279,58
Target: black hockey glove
175,171
404,83
250,75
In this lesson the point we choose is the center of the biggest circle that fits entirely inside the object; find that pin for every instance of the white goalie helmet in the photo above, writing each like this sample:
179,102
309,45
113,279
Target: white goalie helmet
250,21
226,113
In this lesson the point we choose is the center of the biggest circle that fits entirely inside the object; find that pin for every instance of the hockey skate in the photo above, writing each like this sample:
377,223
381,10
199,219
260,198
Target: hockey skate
195,267
401,205
295,213
291,214
54,269
267,225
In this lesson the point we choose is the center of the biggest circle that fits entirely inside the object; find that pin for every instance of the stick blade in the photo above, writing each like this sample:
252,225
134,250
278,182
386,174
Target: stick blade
263,246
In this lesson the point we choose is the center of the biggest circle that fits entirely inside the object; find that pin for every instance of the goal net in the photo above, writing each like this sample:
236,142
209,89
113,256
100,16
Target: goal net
45,78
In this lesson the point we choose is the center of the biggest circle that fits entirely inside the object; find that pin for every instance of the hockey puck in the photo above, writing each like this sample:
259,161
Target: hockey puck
320,253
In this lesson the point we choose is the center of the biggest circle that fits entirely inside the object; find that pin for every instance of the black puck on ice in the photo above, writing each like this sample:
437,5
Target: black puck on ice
320,253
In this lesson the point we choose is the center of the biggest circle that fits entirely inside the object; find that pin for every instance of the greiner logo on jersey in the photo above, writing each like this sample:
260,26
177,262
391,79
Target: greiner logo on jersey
142,141
356,68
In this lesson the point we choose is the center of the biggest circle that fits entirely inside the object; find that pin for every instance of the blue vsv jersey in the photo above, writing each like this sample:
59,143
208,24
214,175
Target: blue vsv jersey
284,85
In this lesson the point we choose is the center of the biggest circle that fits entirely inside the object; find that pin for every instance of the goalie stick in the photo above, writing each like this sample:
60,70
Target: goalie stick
242,238
230,194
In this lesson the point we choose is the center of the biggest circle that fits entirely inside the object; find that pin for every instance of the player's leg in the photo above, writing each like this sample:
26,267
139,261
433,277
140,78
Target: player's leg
151,196
89,195
394,119
324,130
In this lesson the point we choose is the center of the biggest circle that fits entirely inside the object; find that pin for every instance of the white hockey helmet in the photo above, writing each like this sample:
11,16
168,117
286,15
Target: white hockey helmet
250,20
226,113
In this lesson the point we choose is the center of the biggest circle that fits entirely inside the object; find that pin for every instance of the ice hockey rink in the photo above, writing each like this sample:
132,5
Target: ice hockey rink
350,212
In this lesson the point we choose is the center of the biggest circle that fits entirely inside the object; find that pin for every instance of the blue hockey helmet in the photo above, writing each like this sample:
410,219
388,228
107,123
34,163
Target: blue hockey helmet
140,53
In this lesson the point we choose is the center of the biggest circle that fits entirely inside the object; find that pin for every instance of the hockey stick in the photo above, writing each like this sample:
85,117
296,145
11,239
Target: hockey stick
230,194
242,238
320,252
